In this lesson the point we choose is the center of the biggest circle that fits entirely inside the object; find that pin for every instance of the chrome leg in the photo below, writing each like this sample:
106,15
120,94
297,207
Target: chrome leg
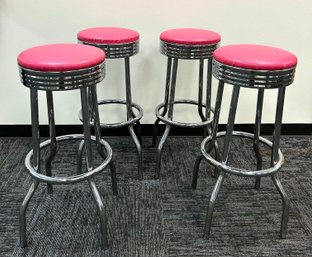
225,155
90,105
35,160
208,130
86,127
230,124
274,156
212,202
97,131
200,90
129,116
101,208
165,109
208,94
213,143
112,168
87,138
79,157
214,129
208,88
139,151
22,215
218,157
195,171
159,150
278,124
216,171
168,79
138,130
257,134
170,116
285,200
216,116
52,154
35,128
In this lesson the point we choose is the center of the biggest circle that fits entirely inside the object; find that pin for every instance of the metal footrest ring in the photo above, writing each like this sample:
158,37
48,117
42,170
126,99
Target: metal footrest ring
237,171
69,179
131,121
183,124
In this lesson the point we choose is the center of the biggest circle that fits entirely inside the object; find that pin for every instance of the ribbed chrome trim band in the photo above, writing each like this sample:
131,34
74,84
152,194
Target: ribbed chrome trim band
252,78
187,51
48,80
114,51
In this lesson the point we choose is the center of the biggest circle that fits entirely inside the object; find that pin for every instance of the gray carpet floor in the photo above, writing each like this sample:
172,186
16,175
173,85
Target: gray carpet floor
155,218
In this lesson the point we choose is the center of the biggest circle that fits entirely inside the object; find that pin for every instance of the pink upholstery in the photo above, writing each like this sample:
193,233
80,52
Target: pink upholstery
108,35
255,57
60,57
190,36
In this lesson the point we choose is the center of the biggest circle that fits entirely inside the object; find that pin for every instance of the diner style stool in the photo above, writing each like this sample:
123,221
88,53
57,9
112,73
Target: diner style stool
260,68
119,43
185,44
59,67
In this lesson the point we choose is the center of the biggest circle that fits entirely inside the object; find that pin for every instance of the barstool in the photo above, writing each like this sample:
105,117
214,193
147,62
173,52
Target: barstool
59,67
119,43
255,67
185,44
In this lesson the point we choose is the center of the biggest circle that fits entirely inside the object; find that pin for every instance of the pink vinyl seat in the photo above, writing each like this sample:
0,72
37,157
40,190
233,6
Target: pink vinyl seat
60,57
59,67
189,43
108,35
115,42
256,67
255,57
190,36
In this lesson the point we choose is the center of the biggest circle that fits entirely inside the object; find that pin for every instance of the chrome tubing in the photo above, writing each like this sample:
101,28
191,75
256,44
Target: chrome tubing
170,116
70,179
97,131
165,103
257,134
135,119
237,171
178,123
51,156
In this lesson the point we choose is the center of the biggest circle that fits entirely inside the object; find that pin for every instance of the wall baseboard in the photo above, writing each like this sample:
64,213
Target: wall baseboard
147,130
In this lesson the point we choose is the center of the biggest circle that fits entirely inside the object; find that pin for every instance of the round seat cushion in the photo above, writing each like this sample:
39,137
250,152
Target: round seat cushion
60,57
190,36
108,35
257,57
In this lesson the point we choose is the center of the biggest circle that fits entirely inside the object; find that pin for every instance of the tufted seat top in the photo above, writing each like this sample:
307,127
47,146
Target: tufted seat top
257,57
190,36
60,57
108,35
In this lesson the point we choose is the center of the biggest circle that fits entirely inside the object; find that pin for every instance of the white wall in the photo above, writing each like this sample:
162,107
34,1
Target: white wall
282,23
